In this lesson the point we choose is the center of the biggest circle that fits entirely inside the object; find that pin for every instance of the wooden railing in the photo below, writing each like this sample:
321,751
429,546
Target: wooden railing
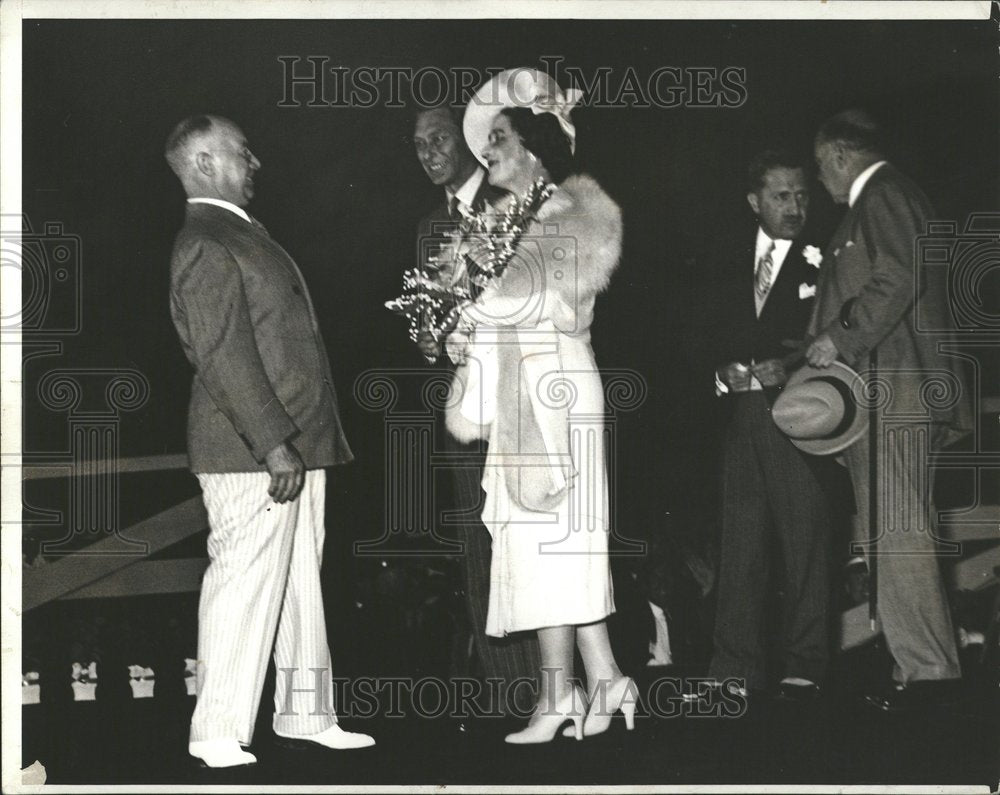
99,570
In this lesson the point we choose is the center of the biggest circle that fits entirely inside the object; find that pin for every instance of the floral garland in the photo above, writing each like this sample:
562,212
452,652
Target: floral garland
431,307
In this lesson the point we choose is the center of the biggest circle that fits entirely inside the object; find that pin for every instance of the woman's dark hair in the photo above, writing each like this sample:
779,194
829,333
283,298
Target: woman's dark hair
542,135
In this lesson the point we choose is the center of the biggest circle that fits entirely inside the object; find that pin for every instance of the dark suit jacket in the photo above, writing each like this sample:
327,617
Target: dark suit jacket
872,258
740,335
246,323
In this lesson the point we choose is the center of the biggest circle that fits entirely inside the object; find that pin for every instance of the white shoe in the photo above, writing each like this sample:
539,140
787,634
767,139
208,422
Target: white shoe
547,720
334,737
619,697
223,752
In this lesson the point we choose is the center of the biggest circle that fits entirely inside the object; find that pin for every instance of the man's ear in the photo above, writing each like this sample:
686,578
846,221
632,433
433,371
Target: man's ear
754,202
205,163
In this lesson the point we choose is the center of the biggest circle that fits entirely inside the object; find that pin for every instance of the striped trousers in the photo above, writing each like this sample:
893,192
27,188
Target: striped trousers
770,498
262,588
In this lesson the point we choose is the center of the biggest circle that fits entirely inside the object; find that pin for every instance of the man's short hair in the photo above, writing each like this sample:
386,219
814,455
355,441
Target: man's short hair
178,140
768,159
855,129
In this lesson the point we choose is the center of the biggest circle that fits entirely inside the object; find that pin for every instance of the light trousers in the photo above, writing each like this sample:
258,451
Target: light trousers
262,588
911,598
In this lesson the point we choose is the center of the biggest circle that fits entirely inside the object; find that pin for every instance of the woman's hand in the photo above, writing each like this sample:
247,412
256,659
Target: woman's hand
457,345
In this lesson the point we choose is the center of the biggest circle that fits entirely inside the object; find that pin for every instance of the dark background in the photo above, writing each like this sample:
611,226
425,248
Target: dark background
342,190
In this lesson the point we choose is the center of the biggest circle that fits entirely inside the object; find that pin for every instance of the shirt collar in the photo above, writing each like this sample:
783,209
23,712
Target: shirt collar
224,204
859,182
467,193
764,243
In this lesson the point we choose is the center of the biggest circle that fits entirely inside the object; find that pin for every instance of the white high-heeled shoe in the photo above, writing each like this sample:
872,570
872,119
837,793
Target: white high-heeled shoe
619,696
545,722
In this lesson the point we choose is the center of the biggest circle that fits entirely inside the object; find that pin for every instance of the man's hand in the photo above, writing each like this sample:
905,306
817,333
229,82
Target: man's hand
288,472
770,372
822,353
736,376
428,345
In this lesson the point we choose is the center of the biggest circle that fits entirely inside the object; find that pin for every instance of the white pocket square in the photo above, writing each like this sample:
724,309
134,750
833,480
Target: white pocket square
806,291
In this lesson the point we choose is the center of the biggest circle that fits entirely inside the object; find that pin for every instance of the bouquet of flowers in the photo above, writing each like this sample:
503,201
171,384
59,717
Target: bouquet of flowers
481,250
426,300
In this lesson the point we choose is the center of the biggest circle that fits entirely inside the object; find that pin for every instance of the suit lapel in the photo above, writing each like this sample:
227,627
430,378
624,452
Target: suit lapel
259,235
833,249
290,265
786,276
794,271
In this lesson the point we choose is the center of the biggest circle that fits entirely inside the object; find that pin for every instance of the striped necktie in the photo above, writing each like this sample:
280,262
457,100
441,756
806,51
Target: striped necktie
762,276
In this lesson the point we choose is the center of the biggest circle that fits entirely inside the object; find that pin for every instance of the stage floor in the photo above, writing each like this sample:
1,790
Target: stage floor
837,740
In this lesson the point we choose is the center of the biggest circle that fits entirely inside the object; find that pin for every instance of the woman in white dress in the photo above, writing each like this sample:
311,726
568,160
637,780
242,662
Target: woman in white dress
528,382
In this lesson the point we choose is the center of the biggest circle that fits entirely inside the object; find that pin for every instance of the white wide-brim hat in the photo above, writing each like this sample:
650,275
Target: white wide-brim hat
820,411
517,88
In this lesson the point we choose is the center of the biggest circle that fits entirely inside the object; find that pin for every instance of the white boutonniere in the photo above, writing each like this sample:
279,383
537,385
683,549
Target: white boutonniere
813,255
806,290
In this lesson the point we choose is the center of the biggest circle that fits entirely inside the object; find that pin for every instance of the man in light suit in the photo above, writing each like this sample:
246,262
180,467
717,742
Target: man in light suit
773,495
870,294
262,425
448,163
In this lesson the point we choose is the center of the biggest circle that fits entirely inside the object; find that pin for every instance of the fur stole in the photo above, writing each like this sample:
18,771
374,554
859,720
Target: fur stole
581,211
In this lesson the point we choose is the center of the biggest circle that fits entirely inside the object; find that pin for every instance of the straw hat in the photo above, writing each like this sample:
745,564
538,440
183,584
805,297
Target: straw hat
818,409
517,88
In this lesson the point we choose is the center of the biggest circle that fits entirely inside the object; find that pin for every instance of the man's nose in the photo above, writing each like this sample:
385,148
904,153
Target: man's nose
254,162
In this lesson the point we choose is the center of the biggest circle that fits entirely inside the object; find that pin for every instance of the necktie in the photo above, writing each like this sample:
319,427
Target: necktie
453,213
762,278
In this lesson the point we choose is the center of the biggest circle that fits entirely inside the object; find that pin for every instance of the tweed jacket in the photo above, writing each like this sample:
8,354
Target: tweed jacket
872,259
247,325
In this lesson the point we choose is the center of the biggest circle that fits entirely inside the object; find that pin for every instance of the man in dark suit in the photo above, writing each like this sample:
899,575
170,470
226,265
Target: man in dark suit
771,493
448,163
872,291
262,425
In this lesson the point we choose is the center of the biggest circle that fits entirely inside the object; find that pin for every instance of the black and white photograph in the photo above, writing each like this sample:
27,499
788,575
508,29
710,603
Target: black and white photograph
478,397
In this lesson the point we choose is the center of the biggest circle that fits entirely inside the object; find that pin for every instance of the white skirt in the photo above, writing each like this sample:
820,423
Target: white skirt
552,569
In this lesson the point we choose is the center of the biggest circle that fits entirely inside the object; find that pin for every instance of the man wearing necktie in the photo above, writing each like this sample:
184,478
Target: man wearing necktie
448,163
773,500
262,426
